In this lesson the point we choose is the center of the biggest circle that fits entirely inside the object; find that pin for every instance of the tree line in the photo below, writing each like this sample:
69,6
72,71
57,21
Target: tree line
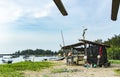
39,52
114,50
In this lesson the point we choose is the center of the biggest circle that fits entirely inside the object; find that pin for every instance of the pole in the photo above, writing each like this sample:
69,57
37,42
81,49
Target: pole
62,38
85,46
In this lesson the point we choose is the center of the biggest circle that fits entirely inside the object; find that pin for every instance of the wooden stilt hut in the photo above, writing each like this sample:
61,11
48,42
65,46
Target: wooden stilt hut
90,52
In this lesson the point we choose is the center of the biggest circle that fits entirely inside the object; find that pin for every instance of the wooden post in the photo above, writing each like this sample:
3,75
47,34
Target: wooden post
61,7
115,7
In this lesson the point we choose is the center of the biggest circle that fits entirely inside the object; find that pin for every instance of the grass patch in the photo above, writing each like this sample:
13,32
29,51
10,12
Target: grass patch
115,61
15,69
117,71
45,76
62,70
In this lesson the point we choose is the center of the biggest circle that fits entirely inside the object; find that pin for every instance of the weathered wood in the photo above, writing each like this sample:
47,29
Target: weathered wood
115,7
90,51
61,7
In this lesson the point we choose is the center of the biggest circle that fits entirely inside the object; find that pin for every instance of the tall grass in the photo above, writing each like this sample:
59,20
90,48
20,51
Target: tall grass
15,69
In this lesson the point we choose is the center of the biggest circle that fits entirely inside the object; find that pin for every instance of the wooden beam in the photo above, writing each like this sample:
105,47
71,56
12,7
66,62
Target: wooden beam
73,45
115,8
60,6
94,43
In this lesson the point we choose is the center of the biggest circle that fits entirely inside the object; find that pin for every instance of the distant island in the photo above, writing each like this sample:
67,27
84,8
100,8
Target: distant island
37,52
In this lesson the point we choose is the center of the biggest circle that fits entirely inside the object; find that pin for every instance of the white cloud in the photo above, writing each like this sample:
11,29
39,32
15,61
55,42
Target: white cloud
9,12
43,12
40,14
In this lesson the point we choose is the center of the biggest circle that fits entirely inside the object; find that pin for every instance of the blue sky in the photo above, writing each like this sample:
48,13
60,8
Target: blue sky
31,24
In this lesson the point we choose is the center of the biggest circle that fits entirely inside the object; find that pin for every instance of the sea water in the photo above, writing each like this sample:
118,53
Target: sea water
32,58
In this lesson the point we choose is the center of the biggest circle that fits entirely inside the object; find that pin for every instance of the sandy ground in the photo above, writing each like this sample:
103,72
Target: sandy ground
74,71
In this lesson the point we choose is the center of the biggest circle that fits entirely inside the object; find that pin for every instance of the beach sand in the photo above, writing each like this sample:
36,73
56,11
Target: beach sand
73,71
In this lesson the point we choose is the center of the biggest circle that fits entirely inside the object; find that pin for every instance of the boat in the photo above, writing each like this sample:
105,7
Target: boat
57,58
7,59
26,58
60,58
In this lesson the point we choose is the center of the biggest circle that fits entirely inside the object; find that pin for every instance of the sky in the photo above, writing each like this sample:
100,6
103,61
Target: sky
37,24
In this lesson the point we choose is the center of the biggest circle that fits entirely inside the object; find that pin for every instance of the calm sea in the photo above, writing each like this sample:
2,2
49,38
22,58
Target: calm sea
32,58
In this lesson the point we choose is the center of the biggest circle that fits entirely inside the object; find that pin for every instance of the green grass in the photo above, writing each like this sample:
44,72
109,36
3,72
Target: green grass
117,71
115,61
62,70
15,69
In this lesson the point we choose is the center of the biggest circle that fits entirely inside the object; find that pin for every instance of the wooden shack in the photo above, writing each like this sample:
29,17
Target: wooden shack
90,52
